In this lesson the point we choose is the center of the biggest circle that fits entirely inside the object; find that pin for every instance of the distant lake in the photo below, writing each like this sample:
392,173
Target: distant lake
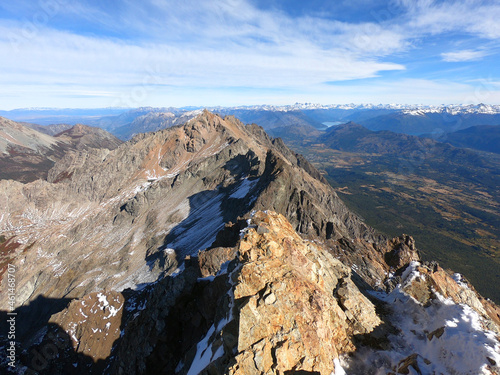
332,123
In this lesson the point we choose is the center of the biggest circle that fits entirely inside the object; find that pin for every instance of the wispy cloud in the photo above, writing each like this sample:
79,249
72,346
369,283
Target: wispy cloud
470,16
464,55
230,43
116,47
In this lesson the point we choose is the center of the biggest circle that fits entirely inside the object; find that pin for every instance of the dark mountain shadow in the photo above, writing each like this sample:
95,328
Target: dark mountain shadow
32,317
160,326
187,323
210,210
47,349
55,355
50,352
41,347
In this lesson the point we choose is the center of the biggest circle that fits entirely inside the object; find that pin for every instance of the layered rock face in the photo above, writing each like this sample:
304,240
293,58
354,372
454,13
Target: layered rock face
211,248
280,305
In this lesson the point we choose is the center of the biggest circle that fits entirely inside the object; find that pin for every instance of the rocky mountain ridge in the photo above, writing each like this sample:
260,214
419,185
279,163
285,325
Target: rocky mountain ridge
216,236
26,154
171,180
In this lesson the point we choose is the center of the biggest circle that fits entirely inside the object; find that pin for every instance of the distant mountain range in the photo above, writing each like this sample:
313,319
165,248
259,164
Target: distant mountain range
277,120
481,137
28,152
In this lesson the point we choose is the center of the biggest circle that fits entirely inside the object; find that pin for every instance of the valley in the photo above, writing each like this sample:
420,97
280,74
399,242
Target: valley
446,197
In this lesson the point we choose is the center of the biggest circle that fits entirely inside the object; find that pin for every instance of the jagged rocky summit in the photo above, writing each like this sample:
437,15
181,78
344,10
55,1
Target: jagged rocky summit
212,248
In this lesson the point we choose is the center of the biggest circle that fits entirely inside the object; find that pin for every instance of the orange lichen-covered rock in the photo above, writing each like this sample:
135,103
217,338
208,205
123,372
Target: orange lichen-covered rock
289,317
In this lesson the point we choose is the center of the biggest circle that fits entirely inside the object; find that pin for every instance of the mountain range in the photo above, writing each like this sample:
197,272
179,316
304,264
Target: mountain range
29,151
481,137
409,119
210,247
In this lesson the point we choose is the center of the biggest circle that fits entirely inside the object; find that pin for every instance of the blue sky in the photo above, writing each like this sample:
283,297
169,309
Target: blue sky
127,53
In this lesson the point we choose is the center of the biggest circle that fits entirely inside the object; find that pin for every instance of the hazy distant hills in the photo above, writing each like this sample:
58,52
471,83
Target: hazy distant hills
27,154
481,137
419,123
271,119
352,137
51,129
283,121
47,116
149,121
418,155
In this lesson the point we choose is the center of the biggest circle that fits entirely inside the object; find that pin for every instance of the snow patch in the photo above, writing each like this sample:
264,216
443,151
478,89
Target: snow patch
459,279
410,273
203,355
244,188
339,370
447,338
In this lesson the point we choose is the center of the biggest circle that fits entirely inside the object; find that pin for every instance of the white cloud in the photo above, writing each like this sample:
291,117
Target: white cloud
207,46
227,44
470,16
464,55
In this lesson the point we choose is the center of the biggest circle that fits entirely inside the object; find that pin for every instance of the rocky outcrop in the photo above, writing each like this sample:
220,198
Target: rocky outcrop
433,280
285,293
211,260
92,323
283,305
82,137
403,252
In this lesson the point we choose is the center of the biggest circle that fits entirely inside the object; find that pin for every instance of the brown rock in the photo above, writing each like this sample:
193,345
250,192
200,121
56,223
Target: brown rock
210,260
410,361
403,252
289,319
436,333
93,323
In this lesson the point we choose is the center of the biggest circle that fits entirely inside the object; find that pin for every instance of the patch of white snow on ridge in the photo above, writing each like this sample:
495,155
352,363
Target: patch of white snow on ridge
204,354
244,188
410,273
102,299
339,370
447,338
112,311
459,279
